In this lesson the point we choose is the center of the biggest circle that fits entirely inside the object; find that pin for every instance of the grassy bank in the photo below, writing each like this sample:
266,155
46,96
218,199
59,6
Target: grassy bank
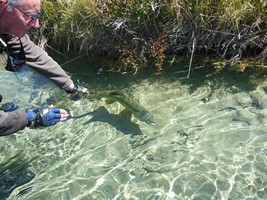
135,31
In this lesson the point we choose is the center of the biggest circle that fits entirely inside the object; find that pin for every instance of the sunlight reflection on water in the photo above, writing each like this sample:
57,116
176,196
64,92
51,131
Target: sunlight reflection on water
209,142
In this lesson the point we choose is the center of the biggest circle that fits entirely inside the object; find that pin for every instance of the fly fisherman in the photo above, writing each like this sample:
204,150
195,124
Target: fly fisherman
16,17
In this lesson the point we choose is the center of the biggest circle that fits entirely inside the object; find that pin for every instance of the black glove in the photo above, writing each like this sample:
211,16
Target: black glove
43,117
75,89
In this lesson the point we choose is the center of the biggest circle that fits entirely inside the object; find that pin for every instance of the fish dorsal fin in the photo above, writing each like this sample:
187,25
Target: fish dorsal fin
116,93
125,112
109,101
113,96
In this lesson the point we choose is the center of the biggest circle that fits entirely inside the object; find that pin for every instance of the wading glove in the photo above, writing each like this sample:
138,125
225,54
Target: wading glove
77,91
43,117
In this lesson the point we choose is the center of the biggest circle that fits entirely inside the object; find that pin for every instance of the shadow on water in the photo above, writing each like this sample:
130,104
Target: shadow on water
122,122
201,73
14,173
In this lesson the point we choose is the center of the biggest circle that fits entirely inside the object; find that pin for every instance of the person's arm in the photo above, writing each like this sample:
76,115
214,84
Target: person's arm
40,61
11,122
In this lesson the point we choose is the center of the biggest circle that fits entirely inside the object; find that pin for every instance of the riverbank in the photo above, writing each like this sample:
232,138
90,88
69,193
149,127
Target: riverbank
134,32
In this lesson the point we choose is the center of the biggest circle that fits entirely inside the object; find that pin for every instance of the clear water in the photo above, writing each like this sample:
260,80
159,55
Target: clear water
210,141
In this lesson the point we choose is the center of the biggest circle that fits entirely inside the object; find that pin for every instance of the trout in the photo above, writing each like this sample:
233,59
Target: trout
133,106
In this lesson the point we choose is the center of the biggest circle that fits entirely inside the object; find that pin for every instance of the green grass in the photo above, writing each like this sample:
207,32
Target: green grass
135,31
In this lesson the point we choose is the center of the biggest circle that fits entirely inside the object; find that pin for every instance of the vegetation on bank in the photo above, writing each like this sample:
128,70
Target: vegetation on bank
137,31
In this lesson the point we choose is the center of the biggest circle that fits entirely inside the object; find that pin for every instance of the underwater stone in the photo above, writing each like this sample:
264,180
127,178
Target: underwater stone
243,99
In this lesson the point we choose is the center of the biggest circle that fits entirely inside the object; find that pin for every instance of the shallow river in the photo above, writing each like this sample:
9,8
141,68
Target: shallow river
209,142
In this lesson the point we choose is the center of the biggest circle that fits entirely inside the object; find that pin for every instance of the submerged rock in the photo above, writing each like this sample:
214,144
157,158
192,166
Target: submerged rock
243,99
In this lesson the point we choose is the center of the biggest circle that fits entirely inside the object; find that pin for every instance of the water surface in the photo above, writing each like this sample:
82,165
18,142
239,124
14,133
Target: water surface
210,141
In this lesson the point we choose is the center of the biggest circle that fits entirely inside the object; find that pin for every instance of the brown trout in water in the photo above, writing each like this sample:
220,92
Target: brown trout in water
130,104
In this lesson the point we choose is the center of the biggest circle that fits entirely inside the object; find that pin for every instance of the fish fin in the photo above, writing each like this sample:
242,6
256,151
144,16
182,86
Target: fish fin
110,101
125,112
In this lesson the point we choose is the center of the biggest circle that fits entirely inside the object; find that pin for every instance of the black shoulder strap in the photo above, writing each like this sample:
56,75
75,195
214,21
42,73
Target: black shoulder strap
3,45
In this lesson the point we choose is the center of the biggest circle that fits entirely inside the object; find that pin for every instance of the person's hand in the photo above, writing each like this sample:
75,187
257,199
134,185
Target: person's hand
76,89
48,116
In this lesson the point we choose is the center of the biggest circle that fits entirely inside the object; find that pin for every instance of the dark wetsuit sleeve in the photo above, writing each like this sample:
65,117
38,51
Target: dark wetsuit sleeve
12,122
40,61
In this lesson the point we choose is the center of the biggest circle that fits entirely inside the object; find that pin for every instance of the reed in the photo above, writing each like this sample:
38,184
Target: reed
134,31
